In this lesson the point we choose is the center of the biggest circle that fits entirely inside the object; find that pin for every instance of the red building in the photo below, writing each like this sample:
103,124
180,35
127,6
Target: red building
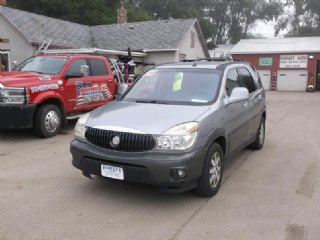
286,64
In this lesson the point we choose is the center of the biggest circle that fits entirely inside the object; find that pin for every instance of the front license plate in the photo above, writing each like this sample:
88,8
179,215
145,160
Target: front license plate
112,172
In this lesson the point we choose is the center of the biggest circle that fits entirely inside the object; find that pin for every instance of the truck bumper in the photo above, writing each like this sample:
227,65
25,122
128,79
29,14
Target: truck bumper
16,116
147,168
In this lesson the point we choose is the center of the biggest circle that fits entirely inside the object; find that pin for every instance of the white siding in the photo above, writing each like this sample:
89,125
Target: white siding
185,46
19,47
160,57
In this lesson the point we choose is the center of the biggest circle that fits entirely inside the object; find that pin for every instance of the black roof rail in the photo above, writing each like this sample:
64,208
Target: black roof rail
214,60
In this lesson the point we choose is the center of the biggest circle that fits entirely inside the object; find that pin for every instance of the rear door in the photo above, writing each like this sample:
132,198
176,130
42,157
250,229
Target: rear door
102,85
249,80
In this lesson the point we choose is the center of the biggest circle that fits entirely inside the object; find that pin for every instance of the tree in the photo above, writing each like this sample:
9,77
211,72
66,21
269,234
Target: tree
301,18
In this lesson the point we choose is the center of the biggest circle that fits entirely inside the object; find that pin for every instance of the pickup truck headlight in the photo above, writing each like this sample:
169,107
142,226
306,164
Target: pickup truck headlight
181,137
80,129
13,95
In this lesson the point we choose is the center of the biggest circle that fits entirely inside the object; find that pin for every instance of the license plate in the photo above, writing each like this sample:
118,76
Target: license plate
112,172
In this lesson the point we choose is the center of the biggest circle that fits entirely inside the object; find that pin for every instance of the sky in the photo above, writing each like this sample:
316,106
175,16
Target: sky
265,29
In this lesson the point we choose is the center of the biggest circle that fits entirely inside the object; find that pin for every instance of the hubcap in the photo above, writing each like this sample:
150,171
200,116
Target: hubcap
52,121
215,170
261,134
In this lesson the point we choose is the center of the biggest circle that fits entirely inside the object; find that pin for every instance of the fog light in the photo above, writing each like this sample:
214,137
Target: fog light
181,173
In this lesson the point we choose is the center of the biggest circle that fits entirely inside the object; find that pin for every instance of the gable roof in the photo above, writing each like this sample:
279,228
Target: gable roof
37,28
164,34
277,45
155,35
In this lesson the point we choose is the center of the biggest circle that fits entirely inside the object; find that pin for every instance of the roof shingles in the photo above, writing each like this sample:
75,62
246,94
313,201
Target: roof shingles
165,34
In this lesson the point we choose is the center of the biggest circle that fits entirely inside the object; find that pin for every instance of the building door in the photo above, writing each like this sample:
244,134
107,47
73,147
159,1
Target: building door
318,76
265,76
292,80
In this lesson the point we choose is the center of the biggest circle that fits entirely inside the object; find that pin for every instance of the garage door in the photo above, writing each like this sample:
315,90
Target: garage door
292,80
265,78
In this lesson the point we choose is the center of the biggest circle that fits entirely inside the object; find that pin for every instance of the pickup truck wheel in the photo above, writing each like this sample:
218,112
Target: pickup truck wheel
258,143
210,179
48,121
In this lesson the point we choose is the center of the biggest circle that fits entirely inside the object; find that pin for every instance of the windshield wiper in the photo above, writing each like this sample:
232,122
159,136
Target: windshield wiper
151,101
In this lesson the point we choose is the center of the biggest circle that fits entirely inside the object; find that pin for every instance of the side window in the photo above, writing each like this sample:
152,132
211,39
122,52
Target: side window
97,67
233,81
247,80
75,67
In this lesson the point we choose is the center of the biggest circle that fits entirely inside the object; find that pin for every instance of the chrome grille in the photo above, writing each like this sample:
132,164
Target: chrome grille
129,142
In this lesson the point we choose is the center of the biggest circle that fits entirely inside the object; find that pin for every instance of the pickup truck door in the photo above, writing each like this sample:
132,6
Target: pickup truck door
93,89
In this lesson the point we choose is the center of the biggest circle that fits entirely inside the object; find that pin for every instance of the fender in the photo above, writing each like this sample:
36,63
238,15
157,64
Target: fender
40,98
220,132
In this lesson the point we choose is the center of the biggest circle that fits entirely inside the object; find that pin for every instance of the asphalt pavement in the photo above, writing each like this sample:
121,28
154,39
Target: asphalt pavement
271,194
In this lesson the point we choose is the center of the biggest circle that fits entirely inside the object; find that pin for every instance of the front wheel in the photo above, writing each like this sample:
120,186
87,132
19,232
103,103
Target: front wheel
210,179
48,121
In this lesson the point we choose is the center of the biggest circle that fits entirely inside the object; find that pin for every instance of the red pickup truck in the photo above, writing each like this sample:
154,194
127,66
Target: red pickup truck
46,90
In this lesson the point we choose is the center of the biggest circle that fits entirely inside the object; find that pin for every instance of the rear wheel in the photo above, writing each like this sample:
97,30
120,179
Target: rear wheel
210,179
258,143
48,121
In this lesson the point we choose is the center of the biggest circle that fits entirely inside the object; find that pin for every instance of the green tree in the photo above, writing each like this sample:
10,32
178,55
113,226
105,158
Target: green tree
300,18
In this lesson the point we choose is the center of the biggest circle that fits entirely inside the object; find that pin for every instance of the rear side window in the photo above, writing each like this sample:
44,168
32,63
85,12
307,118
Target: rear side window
233,81
97,67
247,80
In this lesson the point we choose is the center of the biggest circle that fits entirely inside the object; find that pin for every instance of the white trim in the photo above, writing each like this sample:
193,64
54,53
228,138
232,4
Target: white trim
93,50
160,50
276,52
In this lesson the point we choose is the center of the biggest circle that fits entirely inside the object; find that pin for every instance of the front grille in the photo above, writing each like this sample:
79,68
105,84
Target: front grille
129,142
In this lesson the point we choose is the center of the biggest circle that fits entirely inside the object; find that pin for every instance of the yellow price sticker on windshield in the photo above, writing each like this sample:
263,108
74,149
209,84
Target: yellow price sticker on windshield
177,85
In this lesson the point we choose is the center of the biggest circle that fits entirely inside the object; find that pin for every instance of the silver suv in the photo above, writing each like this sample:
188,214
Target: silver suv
175,126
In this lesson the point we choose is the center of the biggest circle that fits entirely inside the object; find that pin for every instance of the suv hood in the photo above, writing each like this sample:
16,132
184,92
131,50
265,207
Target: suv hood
20,79
145,117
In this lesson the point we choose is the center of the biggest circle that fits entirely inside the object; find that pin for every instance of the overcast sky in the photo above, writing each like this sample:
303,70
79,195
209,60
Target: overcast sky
265,29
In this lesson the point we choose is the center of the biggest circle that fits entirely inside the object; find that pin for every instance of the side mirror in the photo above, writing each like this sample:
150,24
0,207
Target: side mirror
238,94
122,89
73,75
84,69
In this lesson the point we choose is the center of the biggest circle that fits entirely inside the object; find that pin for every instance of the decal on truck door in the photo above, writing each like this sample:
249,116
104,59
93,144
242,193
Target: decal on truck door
88,92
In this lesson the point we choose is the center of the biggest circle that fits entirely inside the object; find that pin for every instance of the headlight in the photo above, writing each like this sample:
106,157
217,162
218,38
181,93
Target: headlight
181,137
13,95
80,129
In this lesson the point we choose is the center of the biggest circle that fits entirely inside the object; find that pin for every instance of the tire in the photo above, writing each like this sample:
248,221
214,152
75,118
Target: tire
210,179
258,143
47,121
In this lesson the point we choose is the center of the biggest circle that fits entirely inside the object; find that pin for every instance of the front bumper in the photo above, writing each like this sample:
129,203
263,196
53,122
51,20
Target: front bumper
16,116
147,167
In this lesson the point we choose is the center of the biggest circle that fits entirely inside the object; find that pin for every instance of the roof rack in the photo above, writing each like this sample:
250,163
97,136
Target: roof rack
213,60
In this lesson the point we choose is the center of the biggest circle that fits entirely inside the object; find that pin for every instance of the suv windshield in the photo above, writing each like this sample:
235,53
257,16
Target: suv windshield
42,64
176,86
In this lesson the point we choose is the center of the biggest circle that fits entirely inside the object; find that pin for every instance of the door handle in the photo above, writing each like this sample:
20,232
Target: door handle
245,105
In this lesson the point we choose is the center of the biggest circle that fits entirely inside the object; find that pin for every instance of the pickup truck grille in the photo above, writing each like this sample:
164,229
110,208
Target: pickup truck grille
128,142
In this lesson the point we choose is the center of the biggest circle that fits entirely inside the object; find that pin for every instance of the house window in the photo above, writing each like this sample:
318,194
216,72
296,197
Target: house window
193,39
5,60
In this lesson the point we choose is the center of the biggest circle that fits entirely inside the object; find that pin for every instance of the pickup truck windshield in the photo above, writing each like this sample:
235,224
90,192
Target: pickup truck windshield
176,86
42,64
